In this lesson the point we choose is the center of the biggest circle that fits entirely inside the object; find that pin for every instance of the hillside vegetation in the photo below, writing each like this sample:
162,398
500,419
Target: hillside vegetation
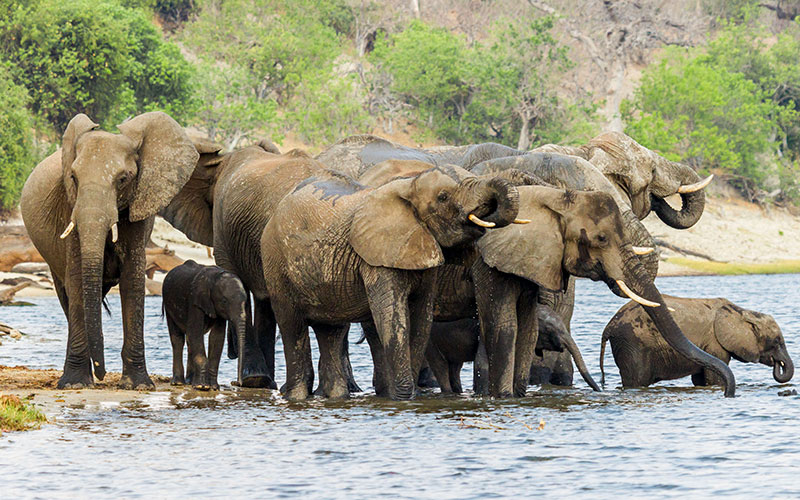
712,83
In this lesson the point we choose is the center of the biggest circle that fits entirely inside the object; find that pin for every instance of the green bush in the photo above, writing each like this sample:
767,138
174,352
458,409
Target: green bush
92,56
17,156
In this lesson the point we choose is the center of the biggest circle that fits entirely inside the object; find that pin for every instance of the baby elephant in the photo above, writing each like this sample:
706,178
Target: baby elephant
717,326
197,298
452,343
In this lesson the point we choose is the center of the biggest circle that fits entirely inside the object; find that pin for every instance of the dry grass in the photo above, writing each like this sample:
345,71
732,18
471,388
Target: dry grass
19,415
734,268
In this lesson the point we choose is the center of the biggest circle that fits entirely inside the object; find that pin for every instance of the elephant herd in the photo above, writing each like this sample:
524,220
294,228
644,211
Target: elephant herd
443,255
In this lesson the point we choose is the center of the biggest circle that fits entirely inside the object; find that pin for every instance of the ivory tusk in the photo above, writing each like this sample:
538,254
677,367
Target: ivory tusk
670,309
697,186
474,218
641,300
522,221
114,233
643,250
68,230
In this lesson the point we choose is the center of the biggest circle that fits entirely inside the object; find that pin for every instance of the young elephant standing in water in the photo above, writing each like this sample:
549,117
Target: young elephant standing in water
197,298
717,326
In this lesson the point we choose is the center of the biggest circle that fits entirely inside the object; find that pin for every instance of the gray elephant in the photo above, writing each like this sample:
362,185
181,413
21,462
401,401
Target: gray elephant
454,343
197,299
717,326
577,233
336,252
89,210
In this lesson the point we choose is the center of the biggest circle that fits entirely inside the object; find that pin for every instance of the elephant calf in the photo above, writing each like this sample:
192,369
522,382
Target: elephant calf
717,326
452,343
197,298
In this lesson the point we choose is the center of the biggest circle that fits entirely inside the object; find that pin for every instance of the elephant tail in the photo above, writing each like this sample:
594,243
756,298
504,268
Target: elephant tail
603,355
363,338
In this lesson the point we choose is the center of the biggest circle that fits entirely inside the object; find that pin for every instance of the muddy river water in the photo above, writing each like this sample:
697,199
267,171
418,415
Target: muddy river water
671,440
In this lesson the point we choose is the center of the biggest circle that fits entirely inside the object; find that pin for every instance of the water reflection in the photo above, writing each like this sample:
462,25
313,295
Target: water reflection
670,440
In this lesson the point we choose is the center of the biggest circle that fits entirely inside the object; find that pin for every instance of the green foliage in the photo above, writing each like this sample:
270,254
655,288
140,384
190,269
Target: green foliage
17,155
19,414
95,57
737,11
732,107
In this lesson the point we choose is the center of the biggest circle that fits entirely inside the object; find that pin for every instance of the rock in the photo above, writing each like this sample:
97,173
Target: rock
12,332
23,279
16,247
788,392
31,268
7,295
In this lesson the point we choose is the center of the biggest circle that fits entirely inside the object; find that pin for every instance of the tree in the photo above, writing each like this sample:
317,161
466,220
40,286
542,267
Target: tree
17,154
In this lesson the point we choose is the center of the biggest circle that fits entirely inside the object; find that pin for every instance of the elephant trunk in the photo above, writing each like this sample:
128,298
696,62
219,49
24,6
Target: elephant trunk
693,202
635,277
93,222
639,236
572,347
240,329
782,367
502,201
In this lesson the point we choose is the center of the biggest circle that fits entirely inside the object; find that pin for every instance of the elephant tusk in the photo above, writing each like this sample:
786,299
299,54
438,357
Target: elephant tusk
474,218
641,300
68,230
114,233
643,250
670,309
522,221
697,186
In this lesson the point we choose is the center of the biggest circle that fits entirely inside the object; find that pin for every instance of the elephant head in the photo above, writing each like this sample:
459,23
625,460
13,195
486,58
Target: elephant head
581,233
753,337
112,180
644,177
554,336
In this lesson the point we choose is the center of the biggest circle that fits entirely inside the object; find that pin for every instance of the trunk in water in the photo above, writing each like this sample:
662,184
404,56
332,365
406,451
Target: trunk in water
692,203
782,367
672,334
572,347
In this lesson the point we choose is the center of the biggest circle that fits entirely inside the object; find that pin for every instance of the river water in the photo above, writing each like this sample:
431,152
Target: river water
671,440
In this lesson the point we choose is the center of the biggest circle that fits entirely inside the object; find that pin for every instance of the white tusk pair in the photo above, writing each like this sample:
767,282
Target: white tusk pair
474,218
641,300
697,186
114,233
68,230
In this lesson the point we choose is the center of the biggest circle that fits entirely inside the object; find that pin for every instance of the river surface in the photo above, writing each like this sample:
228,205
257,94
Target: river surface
670,440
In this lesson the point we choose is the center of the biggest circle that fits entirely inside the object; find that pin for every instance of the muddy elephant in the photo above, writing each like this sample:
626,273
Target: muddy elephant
197,299
337,252
89,210
453,343
577,233
717,326
226,204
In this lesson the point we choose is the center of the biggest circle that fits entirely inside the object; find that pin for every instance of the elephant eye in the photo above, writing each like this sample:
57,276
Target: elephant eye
601,238
443,196
122,179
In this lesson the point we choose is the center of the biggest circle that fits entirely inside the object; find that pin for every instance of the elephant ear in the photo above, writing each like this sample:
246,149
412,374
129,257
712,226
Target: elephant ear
79,125
202,285
386,232
736,332
167,158
532,251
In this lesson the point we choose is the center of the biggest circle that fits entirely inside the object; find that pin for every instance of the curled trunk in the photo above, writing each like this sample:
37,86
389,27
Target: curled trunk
669,330
782,367
692,204
502,202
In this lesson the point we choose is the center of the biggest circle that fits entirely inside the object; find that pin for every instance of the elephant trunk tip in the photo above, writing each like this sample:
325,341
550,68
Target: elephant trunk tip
782,370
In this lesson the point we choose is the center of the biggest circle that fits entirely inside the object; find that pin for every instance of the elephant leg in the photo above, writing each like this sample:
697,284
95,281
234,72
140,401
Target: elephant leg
198,361
480,371
294,332
426,377
352,386
264,329
439,367
216,341
699,379
455,377
131,290
177,338
388,301
496,297
540,371
77,365
527,334
379,370
420,308
561,368
332,373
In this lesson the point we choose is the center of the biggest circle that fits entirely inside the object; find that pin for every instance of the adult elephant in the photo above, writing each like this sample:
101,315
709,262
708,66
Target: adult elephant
643,176
89,210
226,204
337,252
577,233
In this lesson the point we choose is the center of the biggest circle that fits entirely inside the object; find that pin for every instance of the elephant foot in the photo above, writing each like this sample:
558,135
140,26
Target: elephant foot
76,379
177,381
352,386
426,379
201,387
138,381
259,381
298,392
